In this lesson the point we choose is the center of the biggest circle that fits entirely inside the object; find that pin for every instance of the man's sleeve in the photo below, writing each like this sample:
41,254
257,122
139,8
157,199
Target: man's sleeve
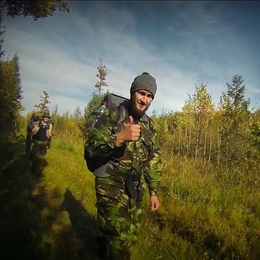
153,170
49,131
30,125
101,138
35,128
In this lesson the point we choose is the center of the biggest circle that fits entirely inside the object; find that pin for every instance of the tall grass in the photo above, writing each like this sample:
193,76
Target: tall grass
206,212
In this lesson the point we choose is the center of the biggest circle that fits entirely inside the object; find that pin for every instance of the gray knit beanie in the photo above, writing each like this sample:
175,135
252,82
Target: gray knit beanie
144,81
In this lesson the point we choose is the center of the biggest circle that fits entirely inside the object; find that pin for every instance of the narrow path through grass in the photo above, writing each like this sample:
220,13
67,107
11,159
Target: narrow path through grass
49,216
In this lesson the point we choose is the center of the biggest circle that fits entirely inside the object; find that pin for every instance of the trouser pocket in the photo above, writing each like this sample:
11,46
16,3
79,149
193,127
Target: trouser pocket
134,188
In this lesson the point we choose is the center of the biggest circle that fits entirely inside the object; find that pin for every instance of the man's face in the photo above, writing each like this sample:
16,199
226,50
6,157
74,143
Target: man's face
45,119
140,101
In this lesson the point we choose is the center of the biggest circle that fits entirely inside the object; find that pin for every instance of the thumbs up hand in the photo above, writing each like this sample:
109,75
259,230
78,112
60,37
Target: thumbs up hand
131,120
131,132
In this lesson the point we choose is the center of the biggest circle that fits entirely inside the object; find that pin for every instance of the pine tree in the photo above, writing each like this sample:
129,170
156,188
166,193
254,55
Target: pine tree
10,91
2,31
44,101
96,98
235,122
101,75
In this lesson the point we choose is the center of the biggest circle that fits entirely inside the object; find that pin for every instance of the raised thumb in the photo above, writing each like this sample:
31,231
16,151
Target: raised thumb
131,120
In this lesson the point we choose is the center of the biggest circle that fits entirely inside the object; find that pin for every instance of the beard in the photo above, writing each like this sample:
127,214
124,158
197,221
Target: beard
139,108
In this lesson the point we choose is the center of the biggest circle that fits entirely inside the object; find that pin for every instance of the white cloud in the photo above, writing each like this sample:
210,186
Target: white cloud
60,55
64,103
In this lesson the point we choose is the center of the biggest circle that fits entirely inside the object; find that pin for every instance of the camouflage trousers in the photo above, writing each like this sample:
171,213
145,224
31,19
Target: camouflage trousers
118,216
38,153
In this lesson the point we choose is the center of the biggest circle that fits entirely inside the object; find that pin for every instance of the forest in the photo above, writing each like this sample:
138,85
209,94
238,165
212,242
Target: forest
210,188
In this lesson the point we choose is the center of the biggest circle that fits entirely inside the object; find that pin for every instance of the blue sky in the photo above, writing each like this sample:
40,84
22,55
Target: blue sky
181,44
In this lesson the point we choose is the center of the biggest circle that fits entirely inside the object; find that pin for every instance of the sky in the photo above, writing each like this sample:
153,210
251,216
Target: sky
182,44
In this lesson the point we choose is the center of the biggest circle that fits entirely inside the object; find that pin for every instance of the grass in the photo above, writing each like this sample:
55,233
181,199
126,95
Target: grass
205,213
50,216
212,214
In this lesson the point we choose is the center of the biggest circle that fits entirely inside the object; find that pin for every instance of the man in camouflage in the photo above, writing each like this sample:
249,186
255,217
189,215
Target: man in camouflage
29,139
132,149
41,132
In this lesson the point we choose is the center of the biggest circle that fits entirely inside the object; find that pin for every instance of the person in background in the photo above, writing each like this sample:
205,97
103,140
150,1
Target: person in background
29,139
41,132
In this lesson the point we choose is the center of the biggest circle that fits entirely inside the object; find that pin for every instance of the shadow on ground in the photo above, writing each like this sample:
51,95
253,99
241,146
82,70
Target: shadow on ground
32,223
18,212
83,224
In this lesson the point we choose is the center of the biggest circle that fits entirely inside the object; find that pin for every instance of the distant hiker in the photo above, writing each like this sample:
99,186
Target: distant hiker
41,132
126,155
29,138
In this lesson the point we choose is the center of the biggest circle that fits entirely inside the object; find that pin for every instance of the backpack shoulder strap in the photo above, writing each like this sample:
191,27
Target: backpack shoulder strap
149,121
121,114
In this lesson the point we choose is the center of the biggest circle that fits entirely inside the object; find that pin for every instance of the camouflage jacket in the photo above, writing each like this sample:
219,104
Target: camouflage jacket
139,157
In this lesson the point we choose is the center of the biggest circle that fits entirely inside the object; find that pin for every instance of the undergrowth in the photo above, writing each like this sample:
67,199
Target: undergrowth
206,212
